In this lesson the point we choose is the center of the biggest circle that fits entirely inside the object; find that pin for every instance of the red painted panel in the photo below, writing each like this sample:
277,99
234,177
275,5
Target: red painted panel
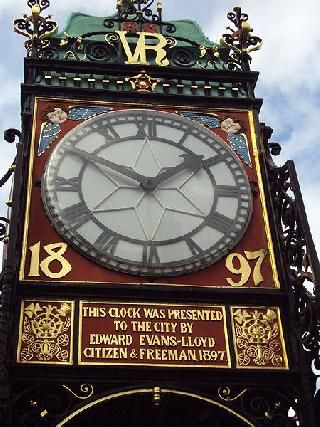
84,270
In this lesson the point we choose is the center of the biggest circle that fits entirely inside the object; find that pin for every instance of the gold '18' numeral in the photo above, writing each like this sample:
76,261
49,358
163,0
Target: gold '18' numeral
244,268
55,252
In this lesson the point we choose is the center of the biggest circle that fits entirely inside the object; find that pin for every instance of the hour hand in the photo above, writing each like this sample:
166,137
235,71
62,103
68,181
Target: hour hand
191,161
123,170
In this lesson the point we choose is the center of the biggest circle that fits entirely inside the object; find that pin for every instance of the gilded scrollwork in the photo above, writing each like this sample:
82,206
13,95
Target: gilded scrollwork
86,391
258,337
240,41
137,18
229,395
36,28
46,332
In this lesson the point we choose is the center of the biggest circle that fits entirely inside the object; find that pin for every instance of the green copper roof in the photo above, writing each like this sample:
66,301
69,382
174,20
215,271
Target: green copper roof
80,23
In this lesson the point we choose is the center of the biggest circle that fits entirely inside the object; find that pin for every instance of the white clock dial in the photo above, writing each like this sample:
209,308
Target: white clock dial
147,192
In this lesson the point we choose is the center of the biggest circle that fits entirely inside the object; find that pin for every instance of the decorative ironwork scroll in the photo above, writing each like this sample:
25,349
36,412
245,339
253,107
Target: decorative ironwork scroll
36,28
177,51
48,404
7,280
240,41
268,407
138,15
85,391
137,20
301,272
9,136
302,265
41,404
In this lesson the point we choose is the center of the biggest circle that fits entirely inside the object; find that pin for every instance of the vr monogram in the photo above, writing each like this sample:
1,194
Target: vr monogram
139,56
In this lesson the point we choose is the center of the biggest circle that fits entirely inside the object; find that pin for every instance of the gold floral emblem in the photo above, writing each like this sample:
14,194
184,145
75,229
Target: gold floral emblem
143,82
46,332
258,338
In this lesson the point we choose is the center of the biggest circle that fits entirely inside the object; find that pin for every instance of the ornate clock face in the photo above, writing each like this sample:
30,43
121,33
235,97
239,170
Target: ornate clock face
147,193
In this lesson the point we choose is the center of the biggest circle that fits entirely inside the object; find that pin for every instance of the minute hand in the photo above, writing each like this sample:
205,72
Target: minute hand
124,170
190,161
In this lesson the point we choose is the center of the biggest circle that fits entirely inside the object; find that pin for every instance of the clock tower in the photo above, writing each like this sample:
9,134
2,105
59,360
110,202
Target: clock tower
155,255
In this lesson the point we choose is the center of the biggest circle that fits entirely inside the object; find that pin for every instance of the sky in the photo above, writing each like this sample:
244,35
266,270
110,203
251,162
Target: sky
289,66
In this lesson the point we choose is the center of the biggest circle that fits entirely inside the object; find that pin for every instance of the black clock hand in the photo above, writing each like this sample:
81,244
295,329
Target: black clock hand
190,161
124,170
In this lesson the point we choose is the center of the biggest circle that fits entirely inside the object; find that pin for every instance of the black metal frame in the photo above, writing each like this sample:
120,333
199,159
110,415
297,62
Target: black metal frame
300,267
262,406
232,54
293,381
21,395
214,86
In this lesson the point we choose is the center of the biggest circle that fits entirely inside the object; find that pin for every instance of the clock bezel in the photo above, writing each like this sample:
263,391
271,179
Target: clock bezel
174,268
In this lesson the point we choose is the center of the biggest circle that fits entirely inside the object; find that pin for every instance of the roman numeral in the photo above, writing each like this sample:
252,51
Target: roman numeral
213,160
64,184
107,242
227,191
76,215
111,132
219,222
150,255
107,131
141,125
152,129
103,132
184,136
194,248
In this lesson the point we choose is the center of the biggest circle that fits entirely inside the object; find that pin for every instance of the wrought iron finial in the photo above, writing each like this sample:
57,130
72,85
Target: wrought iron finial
132,7
36,28
139,15
240,41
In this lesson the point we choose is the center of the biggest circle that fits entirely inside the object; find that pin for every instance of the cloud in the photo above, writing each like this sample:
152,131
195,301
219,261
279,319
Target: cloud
312,205
289,82
290,34
60,7
296,122
290,42
288,62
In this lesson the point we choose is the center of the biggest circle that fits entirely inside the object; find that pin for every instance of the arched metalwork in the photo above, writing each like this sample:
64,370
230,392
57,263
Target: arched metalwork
156,396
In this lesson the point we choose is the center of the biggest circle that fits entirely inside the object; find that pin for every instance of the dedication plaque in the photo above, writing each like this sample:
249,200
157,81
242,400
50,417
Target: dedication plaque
116,333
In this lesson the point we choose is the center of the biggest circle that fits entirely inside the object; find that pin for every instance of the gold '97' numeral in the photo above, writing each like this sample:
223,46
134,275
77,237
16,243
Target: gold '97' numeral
55,252
244,268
